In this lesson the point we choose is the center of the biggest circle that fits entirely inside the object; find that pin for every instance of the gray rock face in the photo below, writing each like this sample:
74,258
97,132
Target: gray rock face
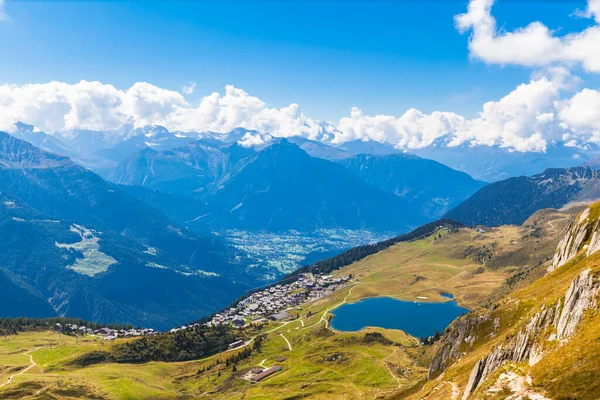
460,332
594,244
580,296
572,242
565,317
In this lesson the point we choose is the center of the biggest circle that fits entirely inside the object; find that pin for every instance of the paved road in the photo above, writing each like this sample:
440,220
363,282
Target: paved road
33,364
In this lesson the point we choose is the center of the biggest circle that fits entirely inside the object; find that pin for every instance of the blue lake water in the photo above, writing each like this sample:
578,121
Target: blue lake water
416,319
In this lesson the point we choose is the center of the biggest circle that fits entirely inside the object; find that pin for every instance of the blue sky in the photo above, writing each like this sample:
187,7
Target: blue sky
382,56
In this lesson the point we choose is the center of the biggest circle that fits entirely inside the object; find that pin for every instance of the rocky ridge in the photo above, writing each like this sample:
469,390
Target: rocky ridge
551,326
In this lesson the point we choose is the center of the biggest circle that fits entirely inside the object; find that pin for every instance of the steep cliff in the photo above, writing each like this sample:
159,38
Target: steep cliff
549,325
482,351
583,234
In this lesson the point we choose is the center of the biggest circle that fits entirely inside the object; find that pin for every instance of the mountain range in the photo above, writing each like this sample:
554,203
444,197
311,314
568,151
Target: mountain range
428,185
281,187
86,248
493,163
100,151
513,200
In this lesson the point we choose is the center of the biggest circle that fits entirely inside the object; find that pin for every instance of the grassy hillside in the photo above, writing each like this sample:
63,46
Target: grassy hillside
559,369
316,361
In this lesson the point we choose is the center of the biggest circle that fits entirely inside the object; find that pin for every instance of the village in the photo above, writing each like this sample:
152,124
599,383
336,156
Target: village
106,333
273,302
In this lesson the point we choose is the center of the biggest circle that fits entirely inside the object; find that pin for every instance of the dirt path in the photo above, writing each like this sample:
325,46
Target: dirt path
433,287
241,346
287,341
332,308
33,364
455,390
389,369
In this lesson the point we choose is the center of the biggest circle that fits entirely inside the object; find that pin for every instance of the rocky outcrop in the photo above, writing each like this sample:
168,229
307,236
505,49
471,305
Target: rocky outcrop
581,296
459,334
594,244
522,348
572,242
565,316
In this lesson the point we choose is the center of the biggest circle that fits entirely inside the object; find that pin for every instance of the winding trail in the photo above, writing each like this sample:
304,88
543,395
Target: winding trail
33,364
241,346
287,341
332,308
455,390
433,287
389,369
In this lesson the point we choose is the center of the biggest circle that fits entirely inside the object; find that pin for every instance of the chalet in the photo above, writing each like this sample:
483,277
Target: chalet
267,372
280,316
104,331
238,321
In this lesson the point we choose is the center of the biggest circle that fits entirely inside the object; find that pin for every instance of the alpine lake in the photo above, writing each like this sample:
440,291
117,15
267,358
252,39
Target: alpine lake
418,319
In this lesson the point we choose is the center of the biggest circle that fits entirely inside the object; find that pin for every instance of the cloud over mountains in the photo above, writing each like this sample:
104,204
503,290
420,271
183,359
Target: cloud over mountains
526,119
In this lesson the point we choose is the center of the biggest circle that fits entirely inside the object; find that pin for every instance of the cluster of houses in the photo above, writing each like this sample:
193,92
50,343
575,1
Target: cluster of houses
184,327
106,333
272,302
111,334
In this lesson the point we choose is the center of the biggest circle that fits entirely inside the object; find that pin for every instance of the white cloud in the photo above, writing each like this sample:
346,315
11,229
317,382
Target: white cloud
147,104
412,130
57,106
533,45
188,88
526,119
522,120
236,108
581,115
252,139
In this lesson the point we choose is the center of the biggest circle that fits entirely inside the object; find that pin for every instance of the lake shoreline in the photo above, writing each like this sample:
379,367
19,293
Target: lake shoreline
416,318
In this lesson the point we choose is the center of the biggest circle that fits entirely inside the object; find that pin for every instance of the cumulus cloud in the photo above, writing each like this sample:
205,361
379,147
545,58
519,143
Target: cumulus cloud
527,119
533,45
411,130
523,120
255,139
189,88
581,116
542,111
57,106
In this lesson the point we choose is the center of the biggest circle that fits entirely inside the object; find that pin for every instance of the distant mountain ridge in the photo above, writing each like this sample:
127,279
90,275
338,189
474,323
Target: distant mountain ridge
100,150
238,187
91,250
513,200
282,187
428,185
493,163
